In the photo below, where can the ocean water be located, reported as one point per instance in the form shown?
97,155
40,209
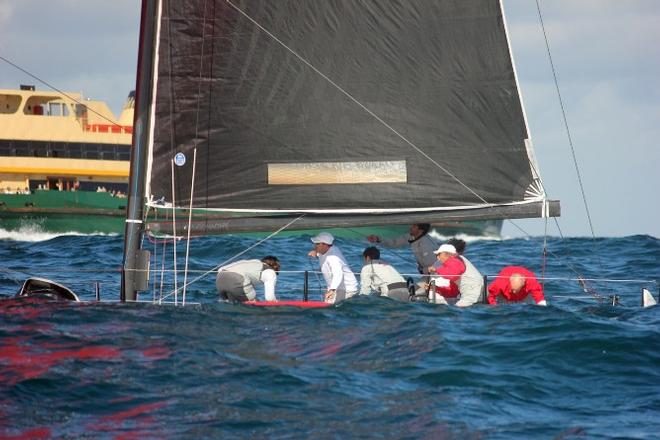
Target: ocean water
367,368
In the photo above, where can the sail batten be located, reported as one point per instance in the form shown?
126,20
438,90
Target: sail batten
265,88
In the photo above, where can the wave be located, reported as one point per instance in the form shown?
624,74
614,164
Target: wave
34,233
440,238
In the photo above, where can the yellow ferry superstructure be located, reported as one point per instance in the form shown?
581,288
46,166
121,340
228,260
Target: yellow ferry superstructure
61,137
64,161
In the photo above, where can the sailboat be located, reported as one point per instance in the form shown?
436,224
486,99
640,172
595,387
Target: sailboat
272,115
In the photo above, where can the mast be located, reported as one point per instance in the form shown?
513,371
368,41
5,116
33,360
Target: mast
133,254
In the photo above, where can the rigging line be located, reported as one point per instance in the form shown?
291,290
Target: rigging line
172,126
192,192
207,162
358,103
554,255
561,235
201,67
545,251
563,113
174,292
162,273
316,274
568,133
58,91
601,280
154,273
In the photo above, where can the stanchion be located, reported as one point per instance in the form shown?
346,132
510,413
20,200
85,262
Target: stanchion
306,286
484,291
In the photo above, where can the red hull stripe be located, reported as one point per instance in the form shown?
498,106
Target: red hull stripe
305,304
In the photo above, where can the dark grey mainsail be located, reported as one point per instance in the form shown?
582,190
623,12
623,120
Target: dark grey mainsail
352,112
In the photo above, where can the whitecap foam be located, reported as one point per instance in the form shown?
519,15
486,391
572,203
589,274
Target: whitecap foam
35,233
440,238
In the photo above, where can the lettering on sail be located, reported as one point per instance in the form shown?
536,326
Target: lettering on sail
337,173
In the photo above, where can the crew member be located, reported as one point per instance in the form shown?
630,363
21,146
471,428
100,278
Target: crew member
516,284
458,280
421,245
237,281
340,280
378,276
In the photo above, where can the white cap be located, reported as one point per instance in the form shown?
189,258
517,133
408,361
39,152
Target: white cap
445,248
323,237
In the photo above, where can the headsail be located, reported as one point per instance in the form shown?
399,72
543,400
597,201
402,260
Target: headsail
647,298
343,110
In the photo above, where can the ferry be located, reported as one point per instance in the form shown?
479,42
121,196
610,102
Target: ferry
64,161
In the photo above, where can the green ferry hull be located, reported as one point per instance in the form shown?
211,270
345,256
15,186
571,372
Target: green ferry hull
63,211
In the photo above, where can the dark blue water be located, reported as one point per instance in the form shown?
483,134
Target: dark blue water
368,368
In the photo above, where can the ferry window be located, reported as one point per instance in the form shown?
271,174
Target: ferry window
35,106
6,149
123,153
57,150
74,151
81,110
22,148
40,149
91,151
9,103
54,109
108,152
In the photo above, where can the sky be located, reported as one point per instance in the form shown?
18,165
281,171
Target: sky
607,60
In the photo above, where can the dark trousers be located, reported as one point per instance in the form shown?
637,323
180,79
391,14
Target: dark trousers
230,287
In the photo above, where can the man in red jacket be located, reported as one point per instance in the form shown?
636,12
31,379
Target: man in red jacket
449,268
514,284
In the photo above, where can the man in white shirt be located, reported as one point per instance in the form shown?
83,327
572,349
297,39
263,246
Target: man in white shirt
237,281
338,275
378,276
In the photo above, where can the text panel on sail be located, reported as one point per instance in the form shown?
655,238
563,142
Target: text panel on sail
320,173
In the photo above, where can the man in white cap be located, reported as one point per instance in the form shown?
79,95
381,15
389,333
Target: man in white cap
458,278
338,275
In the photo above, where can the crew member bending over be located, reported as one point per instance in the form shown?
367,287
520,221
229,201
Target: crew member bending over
378,276
515,284
237,281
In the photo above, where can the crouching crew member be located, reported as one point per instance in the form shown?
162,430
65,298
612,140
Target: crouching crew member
378,276
516,284
237,281
457,278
